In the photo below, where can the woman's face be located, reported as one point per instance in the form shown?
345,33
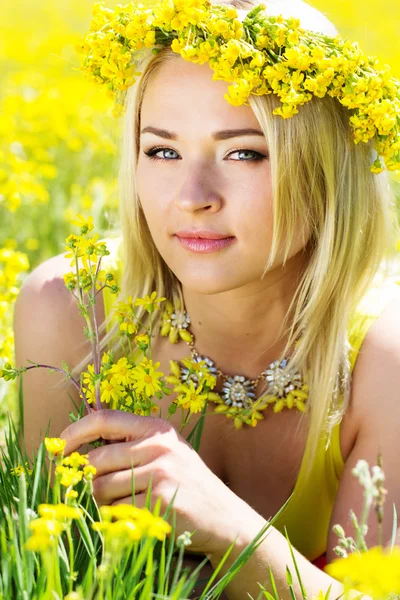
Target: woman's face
203,167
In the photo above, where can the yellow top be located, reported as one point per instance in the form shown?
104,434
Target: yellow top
309,509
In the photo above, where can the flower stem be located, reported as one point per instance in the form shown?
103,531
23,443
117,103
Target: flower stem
75,383
48,481
71,560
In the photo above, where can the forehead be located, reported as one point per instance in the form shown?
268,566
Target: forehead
183,94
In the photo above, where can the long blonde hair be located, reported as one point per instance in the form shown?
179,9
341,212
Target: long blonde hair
320,178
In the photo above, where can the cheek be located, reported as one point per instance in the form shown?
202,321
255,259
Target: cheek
151,194
255,212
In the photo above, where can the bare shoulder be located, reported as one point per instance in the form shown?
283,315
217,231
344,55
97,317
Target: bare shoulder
45,306
48,330
372,423
47,311
375,393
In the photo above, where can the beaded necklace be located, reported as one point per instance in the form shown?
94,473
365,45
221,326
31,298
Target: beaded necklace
285,387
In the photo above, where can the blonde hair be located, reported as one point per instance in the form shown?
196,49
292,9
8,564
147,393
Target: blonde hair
320,178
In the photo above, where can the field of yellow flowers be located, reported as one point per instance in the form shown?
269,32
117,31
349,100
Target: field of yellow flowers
58,139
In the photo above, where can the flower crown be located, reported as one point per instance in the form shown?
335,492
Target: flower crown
257,55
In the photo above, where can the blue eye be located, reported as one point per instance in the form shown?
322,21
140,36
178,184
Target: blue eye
254,155
152,153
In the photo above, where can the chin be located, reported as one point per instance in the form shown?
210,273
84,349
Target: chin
210,282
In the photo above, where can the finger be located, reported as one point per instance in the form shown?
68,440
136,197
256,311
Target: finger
108,488
110,425
120,456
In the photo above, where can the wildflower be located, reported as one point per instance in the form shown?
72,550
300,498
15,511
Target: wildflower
149,303
39,542
44,526
126,316
85,223
120,371
192,398
70,281
142,341
69,476
54,446
146,378
60,512
89,471
184,539
21,469
75,460
111,390
71,494
375,572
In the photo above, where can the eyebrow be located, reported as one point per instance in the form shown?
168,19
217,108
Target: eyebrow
226,134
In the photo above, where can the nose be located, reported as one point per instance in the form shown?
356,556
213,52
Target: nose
198,191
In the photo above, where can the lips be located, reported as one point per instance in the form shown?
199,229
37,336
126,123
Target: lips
205,234
204,241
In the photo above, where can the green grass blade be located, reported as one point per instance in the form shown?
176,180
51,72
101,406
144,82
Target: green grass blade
273,584
328,591
303,590
217,570
266,593
21,421
38,474
197,430
394,529
289,580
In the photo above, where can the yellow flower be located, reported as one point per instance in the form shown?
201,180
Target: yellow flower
75,460
149,303
45,526
85,223
158,528
89,471
142,341
375,572
111,390
69,476
54,446
39,542
17,471
71,494
147,378
192,398
21,469
59,512
121,371
70,281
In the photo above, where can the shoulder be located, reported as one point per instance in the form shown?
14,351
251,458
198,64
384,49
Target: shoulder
46,311
375,391
372,421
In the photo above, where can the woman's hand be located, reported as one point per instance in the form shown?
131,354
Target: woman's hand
155,449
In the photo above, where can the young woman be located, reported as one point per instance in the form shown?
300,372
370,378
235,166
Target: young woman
270,231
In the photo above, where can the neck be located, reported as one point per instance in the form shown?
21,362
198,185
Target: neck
240,330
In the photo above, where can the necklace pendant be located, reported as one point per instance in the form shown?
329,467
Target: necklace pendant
180,319
187,376
238,391
281,380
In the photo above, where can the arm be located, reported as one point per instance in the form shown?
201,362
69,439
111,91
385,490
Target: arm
375,411
48,329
